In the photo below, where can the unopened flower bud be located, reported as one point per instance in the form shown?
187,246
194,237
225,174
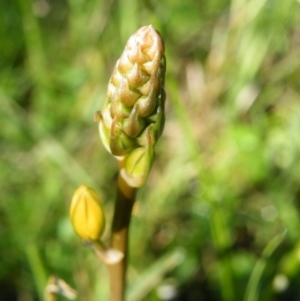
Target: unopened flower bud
134,106
87,214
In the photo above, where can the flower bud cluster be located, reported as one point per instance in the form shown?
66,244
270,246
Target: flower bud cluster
132,118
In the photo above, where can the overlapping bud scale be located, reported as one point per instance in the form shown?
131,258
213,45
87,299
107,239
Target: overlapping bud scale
132,118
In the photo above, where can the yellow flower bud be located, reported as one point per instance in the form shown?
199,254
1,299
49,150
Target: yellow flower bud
87,214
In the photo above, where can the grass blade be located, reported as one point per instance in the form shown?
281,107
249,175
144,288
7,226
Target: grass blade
253,284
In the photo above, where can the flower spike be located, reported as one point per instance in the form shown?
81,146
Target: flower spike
134,107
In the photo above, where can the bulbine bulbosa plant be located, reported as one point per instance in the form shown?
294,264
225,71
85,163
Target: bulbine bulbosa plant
130,123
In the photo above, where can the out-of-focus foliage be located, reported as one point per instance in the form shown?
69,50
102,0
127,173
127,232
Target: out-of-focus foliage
224,188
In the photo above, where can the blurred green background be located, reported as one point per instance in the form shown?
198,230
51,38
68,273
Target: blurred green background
219,216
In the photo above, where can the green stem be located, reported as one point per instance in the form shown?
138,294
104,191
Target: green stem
37,269
119,237
222,242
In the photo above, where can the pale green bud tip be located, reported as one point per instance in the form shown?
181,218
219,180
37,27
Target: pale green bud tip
87,214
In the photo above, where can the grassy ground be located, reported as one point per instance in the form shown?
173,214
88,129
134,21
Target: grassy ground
219,216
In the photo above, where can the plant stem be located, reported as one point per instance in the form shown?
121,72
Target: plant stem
37,269
119,236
